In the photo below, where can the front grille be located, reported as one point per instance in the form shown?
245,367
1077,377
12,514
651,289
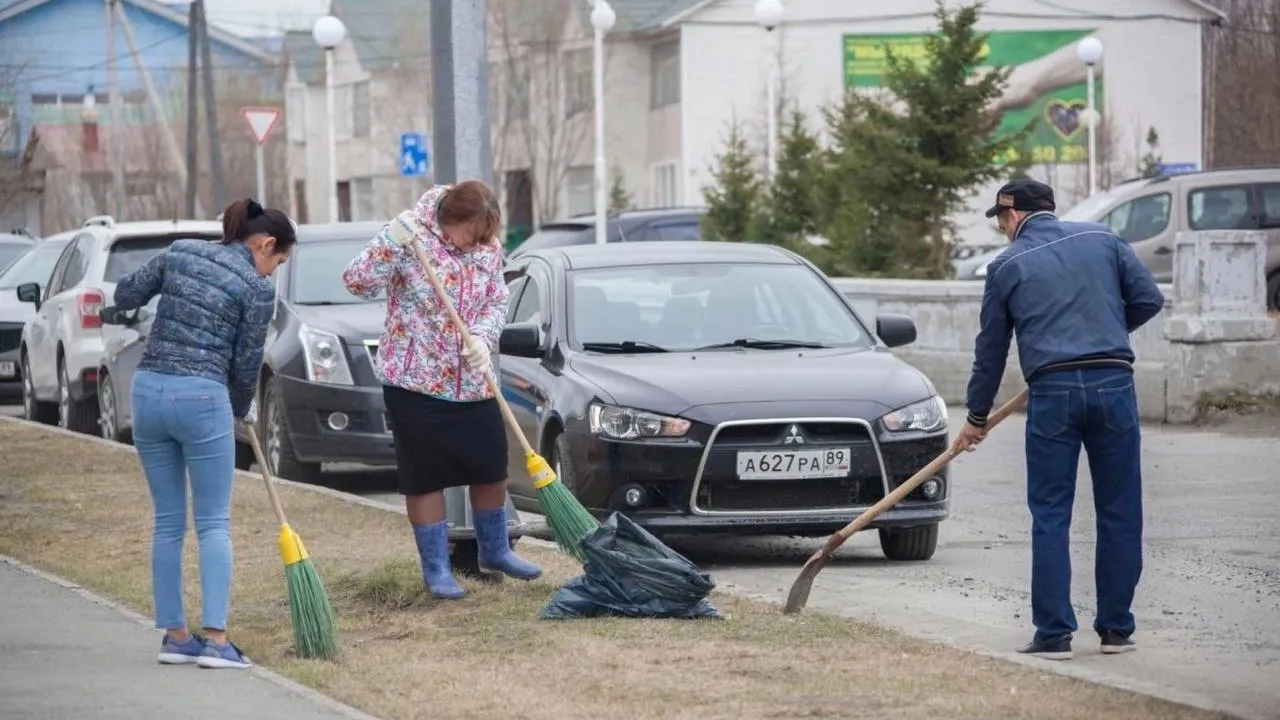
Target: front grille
721,490
371,347
10,336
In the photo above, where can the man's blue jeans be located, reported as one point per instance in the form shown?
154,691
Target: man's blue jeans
1098,409
181,426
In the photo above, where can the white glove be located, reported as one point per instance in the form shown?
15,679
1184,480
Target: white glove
403,228
476,354
251,417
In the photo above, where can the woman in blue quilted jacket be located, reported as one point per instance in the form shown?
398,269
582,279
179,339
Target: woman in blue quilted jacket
195,380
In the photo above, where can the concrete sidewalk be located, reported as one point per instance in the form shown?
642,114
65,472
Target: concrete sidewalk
64,656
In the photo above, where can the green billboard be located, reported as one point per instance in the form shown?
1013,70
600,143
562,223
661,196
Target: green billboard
1047,82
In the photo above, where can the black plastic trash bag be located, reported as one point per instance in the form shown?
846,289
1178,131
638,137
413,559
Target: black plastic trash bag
630,573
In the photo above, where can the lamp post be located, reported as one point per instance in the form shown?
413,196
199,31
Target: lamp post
1089,50
769,15
329,32
602,20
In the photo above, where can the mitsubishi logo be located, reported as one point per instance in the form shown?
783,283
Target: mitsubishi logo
793,436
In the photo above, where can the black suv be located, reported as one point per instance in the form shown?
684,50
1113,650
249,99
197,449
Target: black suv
627,226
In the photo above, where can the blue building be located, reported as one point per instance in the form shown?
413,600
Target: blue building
54,94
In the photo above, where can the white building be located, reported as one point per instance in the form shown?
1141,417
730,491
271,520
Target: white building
678,72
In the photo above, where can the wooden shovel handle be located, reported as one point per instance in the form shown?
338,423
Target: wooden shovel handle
918,479
266,476
489,376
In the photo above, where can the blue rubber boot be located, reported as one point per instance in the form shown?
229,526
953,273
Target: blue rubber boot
433,547
495,546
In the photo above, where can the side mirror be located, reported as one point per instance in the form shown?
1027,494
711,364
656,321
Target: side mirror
895,330
521,340
29,293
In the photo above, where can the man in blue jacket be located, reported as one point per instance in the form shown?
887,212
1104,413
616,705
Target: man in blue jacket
1072,292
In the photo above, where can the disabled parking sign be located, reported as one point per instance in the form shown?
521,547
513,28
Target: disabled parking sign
415,156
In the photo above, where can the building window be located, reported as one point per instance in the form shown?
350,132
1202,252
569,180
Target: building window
666,184
361,113
362,199
295,114
664,74
579,95
342,112
579,190
8,128
517,84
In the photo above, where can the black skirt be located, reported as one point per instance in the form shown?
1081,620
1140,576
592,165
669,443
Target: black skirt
442,444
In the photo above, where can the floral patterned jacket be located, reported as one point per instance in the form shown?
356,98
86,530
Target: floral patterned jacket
420,349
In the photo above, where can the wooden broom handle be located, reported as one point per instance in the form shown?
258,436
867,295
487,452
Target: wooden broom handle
266,476
489,376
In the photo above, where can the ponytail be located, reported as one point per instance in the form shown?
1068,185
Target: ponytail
245,218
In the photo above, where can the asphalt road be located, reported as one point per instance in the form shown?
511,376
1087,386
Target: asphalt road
1208,606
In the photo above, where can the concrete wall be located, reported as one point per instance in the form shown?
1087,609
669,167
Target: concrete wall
1213,337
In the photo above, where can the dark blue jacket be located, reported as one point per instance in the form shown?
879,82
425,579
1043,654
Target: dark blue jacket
212,317
1070,291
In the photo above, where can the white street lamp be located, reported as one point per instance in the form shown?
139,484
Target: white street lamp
1089,50
602,19
329,32
769,16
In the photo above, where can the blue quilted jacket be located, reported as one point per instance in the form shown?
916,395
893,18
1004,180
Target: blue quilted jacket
212,317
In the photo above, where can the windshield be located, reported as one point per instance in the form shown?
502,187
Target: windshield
1085,210
556,237
692,306
9,251
317,272
34,267
130,253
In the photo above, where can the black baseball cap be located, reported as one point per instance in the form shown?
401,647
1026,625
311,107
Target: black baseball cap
1023,194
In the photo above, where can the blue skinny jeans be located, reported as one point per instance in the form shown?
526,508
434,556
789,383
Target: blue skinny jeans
183,426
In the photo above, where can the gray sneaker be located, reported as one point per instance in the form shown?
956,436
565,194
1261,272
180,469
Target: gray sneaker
222,656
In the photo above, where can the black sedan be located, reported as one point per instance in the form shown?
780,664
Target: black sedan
718,387
318,400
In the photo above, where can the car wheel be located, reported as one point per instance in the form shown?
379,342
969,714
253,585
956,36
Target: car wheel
562,463
281,460
32,408
108,418
909,544
75,415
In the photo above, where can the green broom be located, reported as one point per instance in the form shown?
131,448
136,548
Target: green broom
315,626
568,520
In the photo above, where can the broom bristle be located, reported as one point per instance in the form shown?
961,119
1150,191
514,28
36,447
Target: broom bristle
568,520
315,625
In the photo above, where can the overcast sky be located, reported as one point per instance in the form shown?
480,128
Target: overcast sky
264,17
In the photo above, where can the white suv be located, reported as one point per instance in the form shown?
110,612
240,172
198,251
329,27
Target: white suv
62,345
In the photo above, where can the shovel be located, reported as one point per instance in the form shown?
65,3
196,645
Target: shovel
799,594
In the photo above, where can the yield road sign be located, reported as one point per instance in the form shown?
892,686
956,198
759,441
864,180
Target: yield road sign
415,156
261,121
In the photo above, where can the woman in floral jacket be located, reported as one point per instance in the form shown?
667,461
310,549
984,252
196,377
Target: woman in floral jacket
447,426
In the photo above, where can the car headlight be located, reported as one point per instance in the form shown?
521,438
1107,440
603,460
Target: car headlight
622,423
326,360
924,416
981,271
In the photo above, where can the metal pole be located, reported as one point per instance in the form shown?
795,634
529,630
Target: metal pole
193,99
1093,134
219,191
259,166
332,135
171,143
117,128
461,144
602,211
772,101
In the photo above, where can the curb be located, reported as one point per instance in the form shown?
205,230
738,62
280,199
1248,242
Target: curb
306,693
1087,674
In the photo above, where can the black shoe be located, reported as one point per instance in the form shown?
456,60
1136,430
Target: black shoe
1113,643
1059,649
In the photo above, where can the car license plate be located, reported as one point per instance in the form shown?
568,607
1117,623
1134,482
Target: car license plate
794,464
8,369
